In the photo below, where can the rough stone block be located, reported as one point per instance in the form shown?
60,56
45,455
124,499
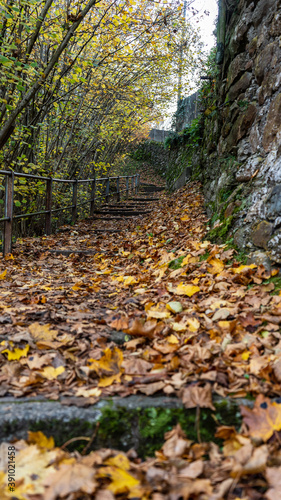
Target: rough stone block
266,60
261,234
241,126
236,68
273,203
260,259
273,123
263,9
240,86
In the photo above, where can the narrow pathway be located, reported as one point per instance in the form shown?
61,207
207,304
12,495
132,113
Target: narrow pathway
169,328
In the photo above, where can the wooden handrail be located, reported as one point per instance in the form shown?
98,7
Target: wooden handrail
9,199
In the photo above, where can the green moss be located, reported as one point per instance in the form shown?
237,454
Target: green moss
219,233
276,280
144,429
204,256
176,263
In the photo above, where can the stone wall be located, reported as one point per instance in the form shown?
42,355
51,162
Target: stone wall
188,110
158,135
240,160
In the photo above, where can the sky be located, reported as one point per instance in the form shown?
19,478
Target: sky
207,23
207,26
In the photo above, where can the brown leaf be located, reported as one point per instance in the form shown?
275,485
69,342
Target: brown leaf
194,396
138,328
69,478
264,419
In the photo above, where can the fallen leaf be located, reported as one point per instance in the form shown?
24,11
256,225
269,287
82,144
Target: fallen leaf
264,419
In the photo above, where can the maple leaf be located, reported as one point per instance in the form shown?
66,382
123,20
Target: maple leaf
142,329
69,478
17,353
122,481
108,367
3,275
194,396
216,266
264,419
41,440
243,269
52,373
42,332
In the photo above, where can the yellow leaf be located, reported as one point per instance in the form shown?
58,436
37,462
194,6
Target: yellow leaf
17,353
121,480
185,260
188,290
174,307
130,280
41,440
42,332
172,339
108,367
120,461
76,287
9,256
216,266
107,381
51,373
193,324
241,269
2,276
88,393
186,217
179,327
155,313
245,356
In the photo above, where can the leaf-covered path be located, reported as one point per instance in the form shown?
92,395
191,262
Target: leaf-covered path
151,309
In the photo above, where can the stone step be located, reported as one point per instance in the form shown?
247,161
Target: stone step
122,212
137,422
146,200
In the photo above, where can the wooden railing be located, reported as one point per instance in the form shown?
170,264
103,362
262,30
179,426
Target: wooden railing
131,183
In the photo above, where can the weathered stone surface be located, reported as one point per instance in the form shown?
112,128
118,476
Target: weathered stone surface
260,259
266,60
236,68
272,128
240,237
275,28
273,203
262,10
241,126
240,86
252,46
261,234
17,417
246,171
274,247
255,138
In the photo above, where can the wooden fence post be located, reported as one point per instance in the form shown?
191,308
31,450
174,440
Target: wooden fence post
118,189
132,184
9,204
127,187
107,190
74,202
93,194
48,217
